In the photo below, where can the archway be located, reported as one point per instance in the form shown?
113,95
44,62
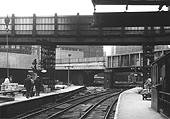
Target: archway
99,79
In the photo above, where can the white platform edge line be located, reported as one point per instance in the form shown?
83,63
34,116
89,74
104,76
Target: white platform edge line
117,107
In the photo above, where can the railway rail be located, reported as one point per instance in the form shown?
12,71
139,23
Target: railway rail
60,110
101,109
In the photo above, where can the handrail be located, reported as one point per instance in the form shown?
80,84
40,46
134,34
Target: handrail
78,24
81,60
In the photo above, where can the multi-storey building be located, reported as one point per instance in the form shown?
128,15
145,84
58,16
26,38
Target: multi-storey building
62,51
21,49
130,49
88,51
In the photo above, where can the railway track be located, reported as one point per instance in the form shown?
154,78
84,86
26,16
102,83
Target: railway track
102,109
62,110
97,108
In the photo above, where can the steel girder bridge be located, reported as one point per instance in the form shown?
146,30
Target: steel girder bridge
100,29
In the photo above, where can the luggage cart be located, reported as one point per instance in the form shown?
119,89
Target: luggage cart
146,93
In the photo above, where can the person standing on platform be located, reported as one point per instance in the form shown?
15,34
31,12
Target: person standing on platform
147,84
28,85
7,80
10,79
38,85
32,87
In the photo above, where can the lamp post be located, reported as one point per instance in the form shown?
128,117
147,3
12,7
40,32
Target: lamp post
7,20
69,55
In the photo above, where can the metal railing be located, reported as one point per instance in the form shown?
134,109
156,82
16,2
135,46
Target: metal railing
77,25
81,60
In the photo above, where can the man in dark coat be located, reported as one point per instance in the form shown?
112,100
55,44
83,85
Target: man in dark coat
27,85
38,85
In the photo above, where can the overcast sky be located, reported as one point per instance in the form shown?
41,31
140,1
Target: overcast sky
45,7
61,7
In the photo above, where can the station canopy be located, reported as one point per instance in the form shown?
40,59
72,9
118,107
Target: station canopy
131,19
131,2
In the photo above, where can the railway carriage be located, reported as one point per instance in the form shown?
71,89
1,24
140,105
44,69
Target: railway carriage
160,74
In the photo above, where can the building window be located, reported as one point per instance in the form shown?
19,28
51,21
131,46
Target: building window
6,46
13,46
17,47
2,46
74,49
23,47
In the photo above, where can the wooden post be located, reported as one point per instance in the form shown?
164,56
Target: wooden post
55,25
34,26
77,26
13,25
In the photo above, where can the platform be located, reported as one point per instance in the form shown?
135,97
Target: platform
22,104
131,106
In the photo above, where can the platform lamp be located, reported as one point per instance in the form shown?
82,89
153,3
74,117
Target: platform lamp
69,55
7,20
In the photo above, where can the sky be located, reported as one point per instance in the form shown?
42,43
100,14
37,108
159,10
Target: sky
45,7
62,7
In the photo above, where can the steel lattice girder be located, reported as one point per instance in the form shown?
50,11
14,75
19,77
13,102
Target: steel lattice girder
131,2
131,19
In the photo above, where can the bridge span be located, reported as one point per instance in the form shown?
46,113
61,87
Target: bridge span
77,29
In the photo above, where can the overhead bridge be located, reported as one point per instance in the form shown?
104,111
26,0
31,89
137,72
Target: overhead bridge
78,30
132,19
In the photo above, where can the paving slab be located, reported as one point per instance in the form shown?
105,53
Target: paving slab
131,106
19,97
21,104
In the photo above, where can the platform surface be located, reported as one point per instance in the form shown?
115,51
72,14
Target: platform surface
131,106
19,97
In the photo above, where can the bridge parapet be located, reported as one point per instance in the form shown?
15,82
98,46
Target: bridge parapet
76,28
81,66
81,60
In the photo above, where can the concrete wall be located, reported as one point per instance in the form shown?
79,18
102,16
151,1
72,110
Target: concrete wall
63,54
13,109
21,61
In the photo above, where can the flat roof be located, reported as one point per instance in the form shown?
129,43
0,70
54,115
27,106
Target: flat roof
131,19
131,2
